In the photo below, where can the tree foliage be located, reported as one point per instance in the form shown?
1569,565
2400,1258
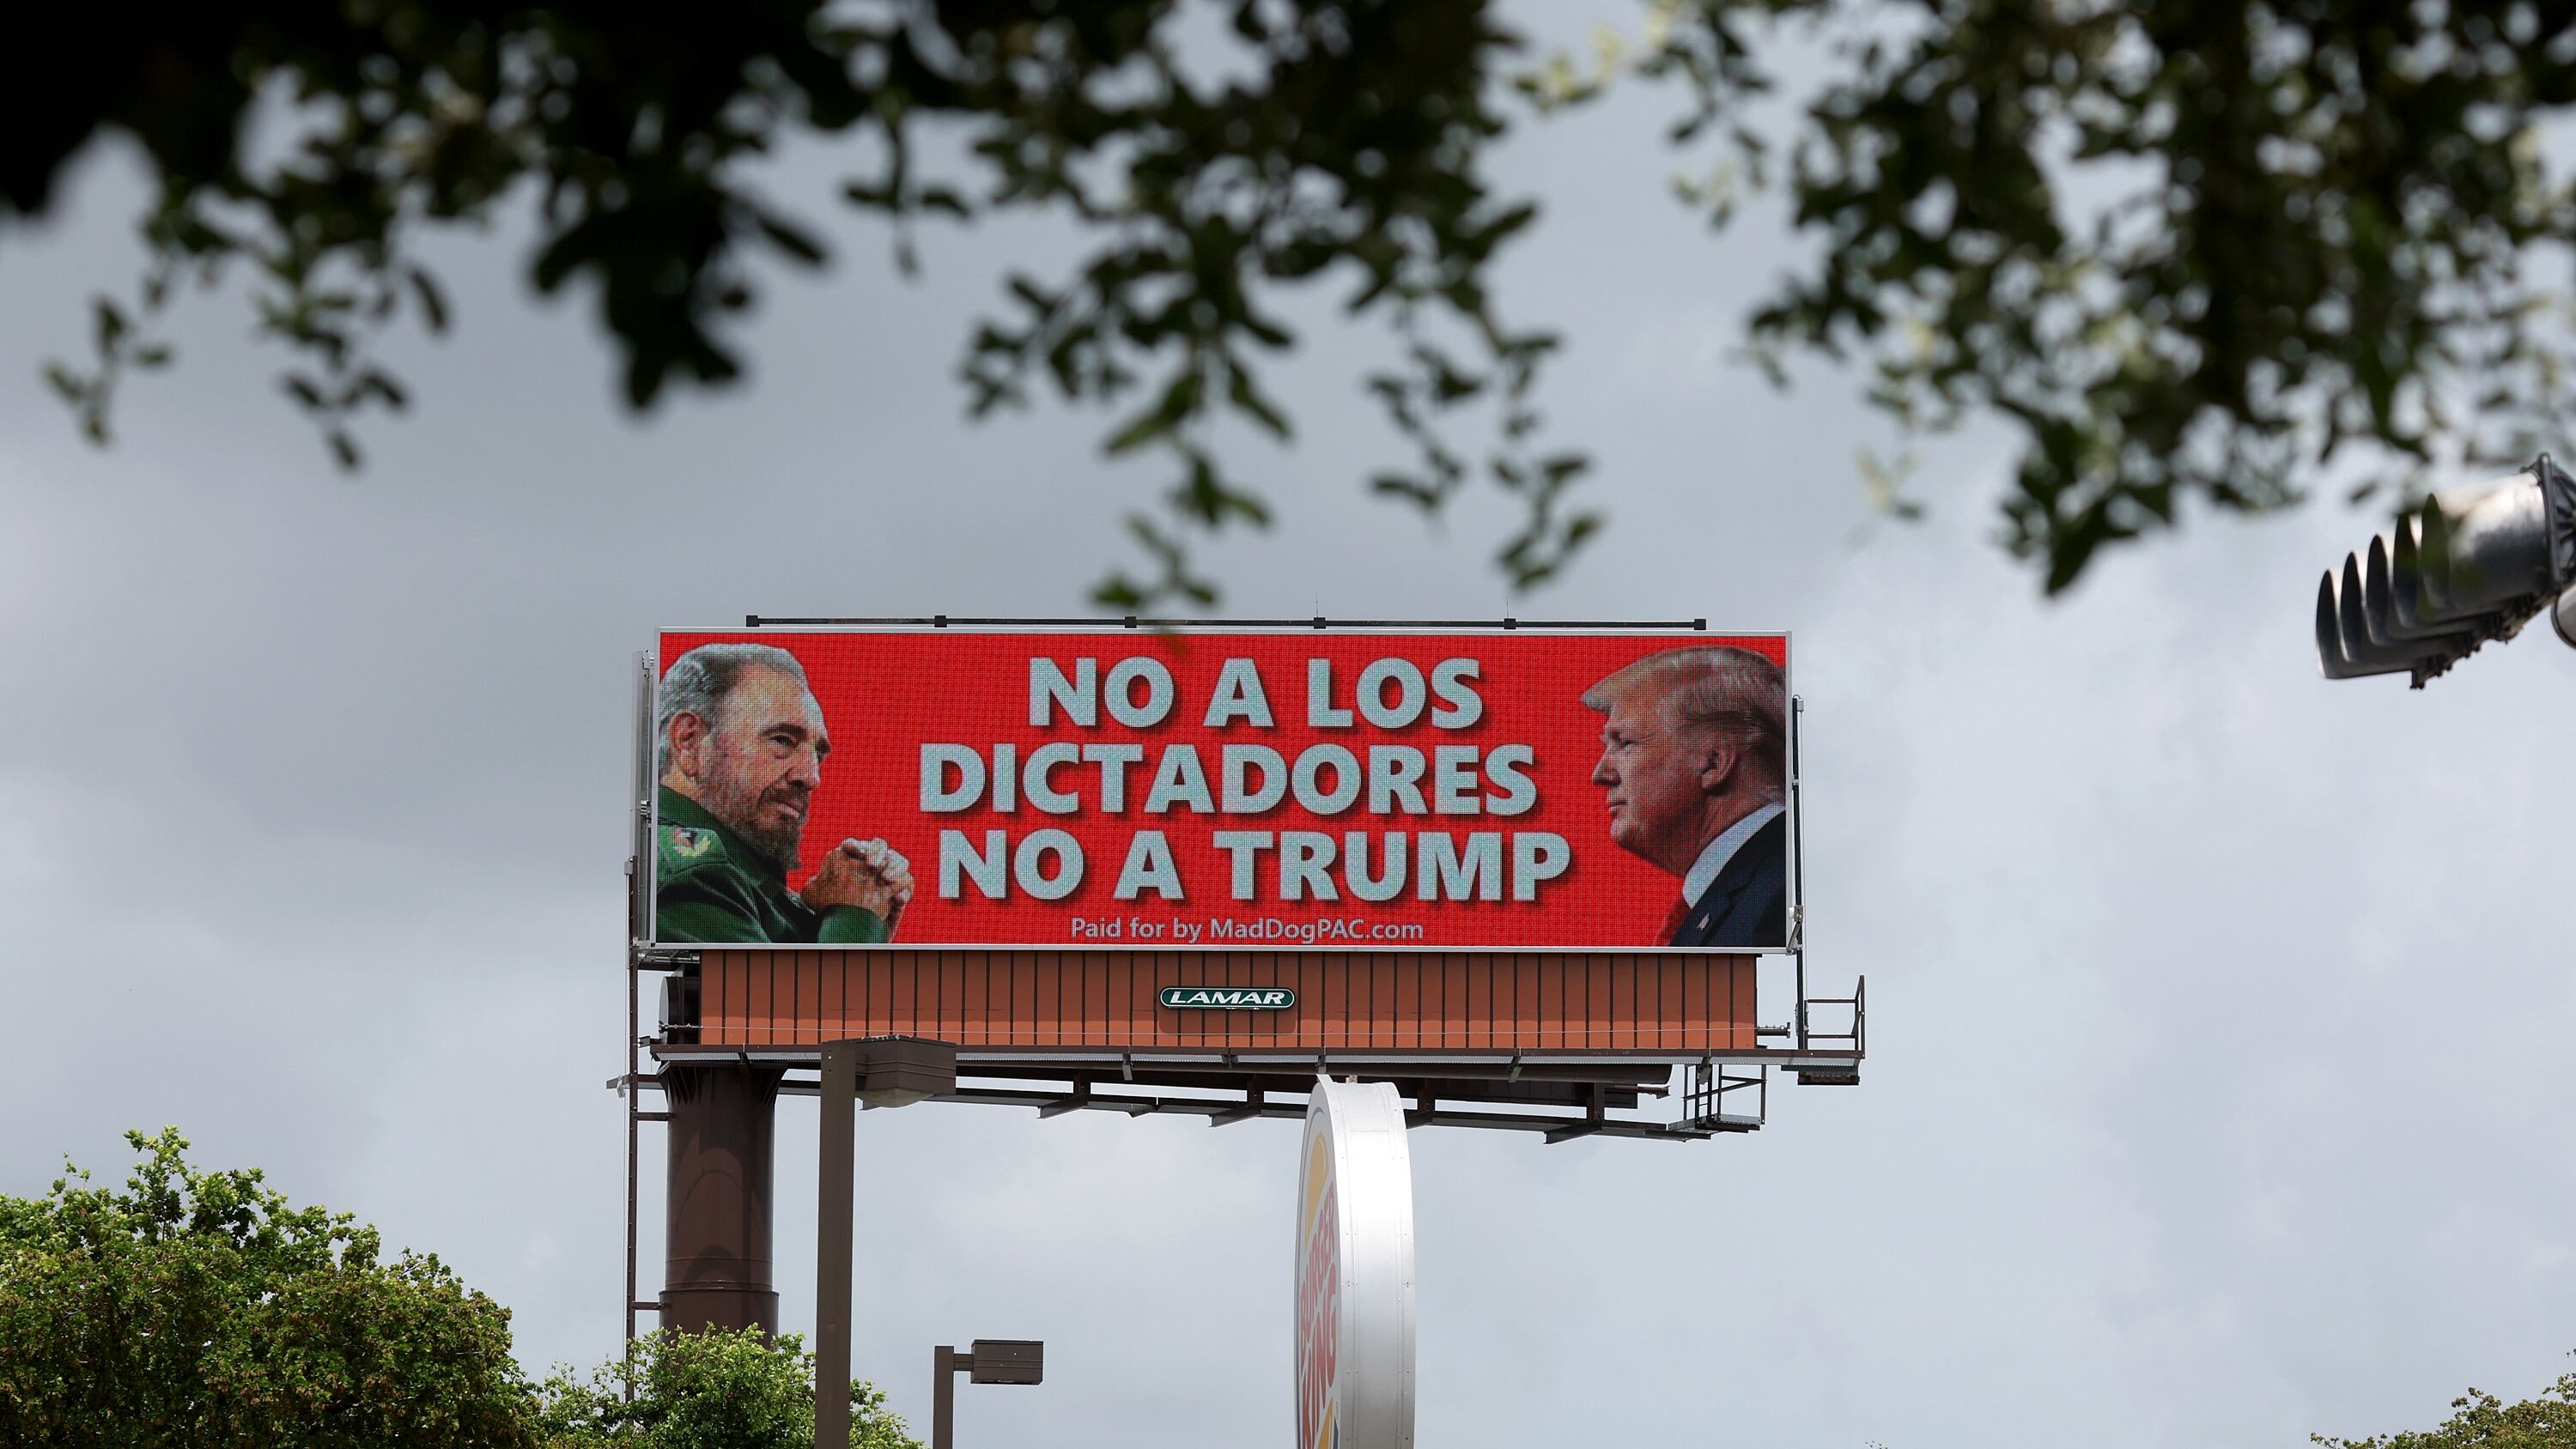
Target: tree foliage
716,1390
198,1310
2482,1421
2189,252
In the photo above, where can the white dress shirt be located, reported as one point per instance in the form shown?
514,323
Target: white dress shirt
1712,859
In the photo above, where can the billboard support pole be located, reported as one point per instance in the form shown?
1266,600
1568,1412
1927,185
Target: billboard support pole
723,1125
630,1088
631,1091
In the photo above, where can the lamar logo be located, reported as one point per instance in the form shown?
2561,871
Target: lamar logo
1229,998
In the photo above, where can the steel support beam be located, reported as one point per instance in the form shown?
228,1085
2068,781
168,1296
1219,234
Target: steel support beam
888,1072
833,1230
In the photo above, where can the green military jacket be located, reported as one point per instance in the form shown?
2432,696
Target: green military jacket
710,886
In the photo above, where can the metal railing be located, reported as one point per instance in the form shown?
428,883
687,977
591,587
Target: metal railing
1857,1038
1704,1098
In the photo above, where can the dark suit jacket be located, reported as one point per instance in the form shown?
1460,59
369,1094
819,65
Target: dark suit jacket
1748,903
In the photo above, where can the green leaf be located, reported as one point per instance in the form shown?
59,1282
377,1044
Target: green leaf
1181,397
790,238
1118,593
433,303
383,387
1412,490
1248,400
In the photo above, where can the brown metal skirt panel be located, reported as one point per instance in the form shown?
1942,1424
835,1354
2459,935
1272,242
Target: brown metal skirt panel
1346,1000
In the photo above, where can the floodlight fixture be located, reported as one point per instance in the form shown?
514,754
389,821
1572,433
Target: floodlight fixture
2467,566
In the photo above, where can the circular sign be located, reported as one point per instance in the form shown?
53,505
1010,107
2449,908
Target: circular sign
1355,1271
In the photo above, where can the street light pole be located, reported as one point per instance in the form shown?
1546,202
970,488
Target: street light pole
990,1361
943,1398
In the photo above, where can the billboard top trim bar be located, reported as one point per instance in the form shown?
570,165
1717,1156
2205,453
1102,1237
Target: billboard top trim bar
1132,621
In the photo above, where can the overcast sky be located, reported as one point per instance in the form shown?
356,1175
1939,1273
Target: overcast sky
2218,1083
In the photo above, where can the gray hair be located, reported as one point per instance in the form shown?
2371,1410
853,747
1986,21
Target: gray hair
1735,692
698,681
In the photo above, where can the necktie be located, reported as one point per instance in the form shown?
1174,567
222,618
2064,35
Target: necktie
1673,919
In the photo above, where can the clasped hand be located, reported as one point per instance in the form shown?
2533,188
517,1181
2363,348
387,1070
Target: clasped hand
869,874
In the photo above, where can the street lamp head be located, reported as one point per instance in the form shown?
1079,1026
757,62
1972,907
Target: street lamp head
1007,1361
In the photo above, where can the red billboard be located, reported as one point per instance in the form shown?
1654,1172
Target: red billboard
1222,788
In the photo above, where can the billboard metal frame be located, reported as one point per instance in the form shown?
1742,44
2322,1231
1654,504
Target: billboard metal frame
650,710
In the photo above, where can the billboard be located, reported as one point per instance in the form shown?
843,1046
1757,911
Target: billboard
1354,1330
1222,789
